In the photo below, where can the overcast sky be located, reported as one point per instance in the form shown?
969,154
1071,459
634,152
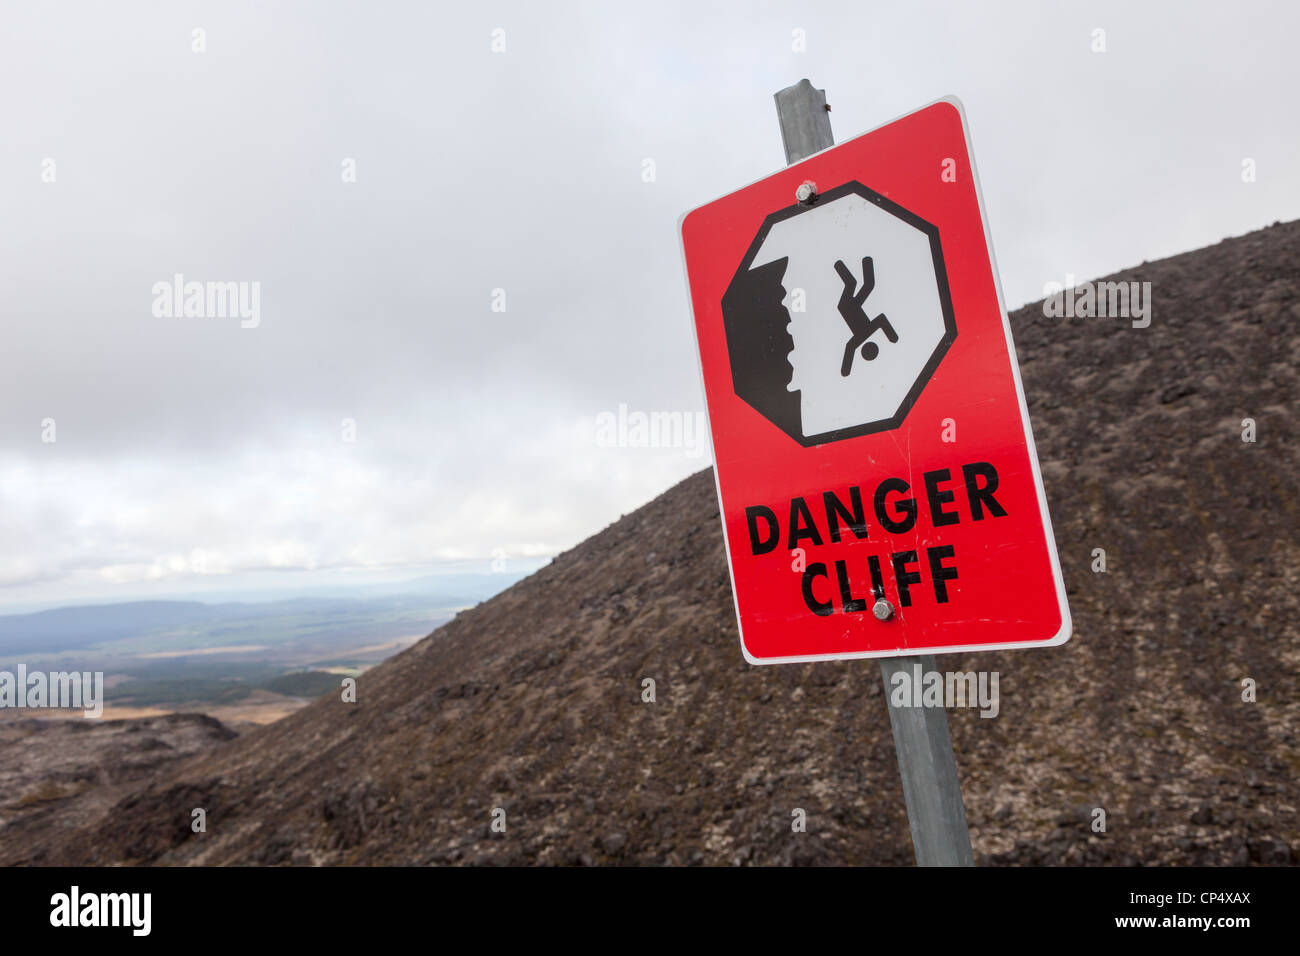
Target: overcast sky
194,453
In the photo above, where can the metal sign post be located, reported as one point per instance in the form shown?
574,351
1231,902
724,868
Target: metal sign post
935,812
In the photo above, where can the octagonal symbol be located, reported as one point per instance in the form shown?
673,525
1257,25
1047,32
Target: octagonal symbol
838,315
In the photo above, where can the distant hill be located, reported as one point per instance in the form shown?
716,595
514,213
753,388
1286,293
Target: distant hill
531,701
181,625
69,628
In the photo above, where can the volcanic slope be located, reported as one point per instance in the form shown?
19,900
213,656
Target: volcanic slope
532,701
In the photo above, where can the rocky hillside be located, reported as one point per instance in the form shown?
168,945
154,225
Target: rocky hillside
532,702
56,774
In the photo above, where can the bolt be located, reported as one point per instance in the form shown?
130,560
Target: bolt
882,609
806,194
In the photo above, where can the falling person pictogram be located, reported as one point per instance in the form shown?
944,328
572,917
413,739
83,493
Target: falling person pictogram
855,316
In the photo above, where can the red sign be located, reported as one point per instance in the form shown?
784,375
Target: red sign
879,488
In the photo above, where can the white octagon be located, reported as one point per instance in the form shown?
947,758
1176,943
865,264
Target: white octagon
854,373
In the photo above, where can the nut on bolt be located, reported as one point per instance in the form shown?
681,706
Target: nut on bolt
806,193
882,609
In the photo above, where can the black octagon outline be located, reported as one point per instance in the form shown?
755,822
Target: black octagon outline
945,300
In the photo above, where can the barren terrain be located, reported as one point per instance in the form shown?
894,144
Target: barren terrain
531,702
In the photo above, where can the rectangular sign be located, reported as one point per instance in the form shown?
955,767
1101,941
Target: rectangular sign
879,489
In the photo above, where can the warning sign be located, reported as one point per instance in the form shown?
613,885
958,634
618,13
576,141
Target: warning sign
878,483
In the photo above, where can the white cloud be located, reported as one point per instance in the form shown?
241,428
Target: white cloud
194,449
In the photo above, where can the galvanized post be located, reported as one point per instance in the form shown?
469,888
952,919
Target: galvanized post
928,767
805,121
935,812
